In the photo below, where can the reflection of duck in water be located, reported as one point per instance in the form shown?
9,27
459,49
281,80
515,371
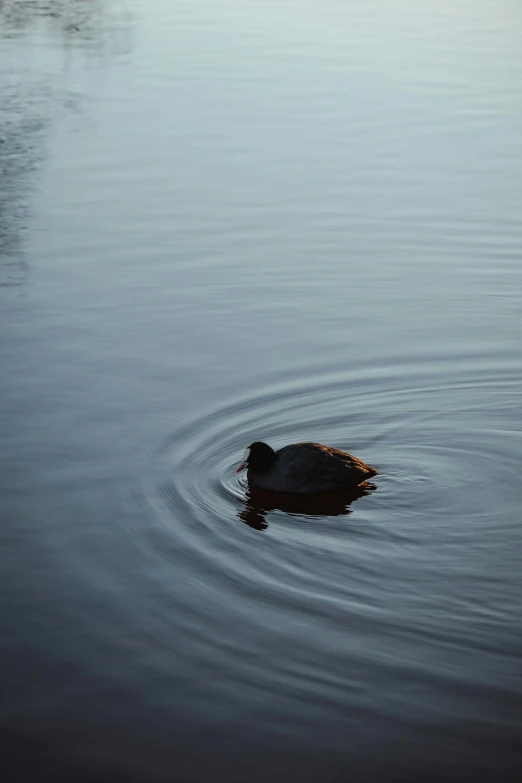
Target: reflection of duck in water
260,501
303,478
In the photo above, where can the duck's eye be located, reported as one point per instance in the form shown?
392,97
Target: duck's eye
246,455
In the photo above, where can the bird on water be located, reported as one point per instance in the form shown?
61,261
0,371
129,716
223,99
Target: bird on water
304,468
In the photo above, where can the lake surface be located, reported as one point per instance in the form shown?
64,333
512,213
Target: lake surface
283,220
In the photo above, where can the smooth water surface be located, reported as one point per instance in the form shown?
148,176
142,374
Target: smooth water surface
286,220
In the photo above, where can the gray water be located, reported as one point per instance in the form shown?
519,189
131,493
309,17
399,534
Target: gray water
283,220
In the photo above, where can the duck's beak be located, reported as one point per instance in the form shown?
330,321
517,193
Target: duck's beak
240,467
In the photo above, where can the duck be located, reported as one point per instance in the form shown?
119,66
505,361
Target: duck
303,468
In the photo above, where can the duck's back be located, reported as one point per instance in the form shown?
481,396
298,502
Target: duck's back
313,468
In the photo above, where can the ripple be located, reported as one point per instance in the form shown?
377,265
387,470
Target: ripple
416,429
386,587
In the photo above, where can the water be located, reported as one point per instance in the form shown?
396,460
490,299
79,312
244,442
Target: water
222,222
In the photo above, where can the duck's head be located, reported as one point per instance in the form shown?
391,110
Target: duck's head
258,457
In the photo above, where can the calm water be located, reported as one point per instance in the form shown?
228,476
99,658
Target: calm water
271,219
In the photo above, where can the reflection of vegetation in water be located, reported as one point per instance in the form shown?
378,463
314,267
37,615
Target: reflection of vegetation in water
92,21
28,99
20,152
70,14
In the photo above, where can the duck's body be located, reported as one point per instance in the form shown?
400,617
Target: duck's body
304,468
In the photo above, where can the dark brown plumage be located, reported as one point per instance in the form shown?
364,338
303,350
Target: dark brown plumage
303,468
